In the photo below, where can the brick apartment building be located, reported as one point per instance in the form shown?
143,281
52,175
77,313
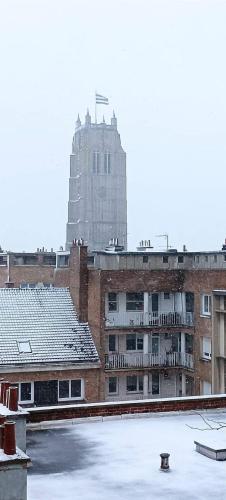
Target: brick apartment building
150,313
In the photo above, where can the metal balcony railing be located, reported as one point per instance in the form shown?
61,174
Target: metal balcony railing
139,319
141,360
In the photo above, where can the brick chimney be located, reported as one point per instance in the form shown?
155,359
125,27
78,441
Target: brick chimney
79,279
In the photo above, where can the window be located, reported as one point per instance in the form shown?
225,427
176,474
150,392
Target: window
166,296
154,344
215,258
24,346
189,297
197,259
206,305
206,258
107,163
70,389
155,302
96,162
180,259
134,342
206,387
112,302
145,259
3,260
26,392
188,343
113,385
224,257
176,342
28,285
134,383
165,259
135,301
154,385
112,343
206,348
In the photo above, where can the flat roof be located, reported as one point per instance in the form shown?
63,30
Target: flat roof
119,459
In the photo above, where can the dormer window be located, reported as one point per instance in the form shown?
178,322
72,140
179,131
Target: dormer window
24,346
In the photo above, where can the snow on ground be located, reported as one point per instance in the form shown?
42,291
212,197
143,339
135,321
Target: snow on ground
119,459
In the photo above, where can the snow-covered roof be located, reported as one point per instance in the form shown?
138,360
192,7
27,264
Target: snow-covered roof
120,459
41,326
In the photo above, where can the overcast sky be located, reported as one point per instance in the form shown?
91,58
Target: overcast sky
162,65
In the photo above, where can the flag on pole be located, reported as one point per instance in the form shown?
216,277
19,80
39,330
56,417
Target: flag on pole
100,99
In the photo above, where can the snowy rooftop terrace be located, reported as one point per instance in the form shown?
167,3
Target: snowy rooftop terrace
118,459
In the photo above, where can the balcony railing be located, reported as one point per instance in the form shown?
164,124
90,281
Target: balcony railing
130,319
141,360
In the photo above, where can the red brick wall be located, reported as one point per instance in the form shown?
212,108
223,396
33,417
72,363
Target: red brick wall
35,274
91,378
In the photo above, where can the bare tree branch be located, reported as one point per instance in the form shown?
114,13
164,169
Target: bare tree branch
220,425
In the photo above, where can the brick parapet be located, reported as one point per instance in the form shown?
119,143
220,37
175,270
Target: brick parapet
126,408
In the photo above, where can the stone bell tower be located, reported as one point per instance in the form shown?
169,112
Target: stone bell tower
97,207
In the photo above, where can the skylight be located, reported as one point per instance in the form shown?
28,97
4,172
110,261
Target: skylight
24,346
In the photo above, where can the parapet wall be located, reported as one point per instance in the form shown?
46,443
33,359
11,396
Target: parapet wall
62,412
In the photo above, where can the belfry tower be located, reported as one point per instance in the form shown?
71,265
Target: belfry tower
97,207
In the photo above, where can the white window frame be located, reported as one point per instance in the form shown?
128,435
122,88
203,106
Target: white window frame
206,384
133,301
137,390
113,301
206,348
27,401
137,336
70,398
117,386
204,311
24,342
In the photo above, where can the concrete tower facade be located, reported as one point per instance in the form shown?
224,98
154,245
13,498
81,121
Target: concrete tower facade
97,207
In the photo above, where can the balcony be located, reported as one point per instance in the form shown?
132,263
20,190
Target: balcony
141,319
141,360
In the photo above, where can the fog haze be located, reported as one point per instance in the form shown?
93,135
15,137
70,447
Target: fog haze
162,66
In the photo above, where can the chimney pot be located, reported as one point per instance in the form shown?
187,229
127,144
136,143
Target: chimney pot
9,438
2,428
4,387
13,398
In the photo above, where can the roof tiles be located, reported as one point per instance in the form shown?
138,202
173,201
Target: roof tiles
47,319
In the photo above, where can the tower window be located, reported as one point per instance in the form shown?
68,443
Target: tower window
96,162
107,163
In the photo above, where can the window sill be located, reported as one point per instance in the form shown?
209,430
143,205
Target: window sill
205,359
205,315
62,400
134,392
25,402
